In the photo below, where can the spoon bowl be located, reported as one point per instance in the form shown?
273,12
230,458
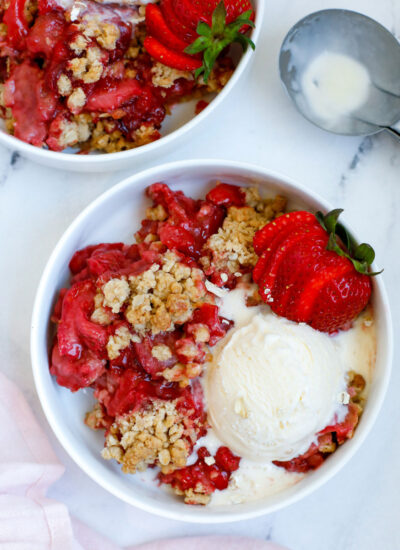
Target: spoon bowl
356,36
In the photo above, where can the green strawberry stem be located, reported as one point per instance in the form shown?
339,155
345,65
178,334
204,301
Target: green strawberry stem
361,255
213,40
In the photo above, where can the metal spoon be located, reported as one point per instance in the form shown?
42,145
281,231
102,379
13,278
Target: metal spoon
366,41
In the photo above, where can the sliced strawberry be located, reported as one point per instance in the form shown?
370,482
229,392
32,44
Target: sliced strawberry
105,261
234,8
311,288
111,95
158,28
56,66
227,195
187,12
169,57
271,261
17,24
176,25
277,240
286,222
295,271
339,301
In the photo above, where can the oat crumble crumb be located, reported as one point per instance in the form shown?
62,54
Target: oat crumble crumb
147,437
161,298
116,292
164,76
100,314
76,100
161,352
118,342
231,247
64,85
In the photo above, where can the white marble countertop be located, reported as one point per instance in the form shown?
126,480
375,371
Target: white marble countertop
359,508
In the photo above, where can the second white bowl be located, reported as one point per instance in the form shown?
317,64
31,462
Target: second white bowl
175,127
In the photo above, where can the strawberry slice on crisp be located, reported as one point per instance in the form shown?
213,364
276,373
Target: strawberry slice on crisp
306,274
179,31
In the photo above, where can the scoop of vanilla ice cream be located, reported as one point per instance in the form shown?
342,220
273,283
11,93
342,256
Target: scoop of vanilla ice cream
272,386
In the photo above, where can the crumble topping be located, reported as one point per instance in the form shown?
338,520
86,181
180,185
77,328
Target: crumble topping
100,315
119,341
161,352
147,437
231,248
201,333
79,44
73,132
88,68
164,296
64,85
95,419
182,373
164,76
156,213
194,496
116,292
76,100
108,36
105,33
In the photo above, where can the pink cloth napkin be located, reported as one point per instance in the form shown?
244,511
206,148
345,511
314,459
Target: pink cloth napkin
31,521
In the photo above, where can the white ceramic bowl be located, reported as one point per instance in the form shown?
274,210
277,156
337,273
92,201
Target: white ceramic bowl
174,129
114,216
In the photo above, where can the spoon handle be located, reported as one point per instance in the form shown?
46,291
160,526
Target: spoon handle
393,132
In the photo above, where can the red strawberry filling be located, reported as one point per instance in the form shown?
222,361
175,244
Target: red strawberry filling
328,440
204,476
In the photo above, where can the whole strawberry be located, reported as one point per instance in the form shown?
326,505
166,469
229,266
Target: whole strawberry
191,34
311,270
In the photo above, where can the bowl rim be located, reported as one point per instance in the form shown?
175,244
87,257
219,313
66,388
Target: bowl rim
154,147
40,370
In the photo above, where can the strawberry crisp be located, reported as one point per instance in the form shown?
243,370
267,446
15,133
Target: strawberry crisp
90,74
141,324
